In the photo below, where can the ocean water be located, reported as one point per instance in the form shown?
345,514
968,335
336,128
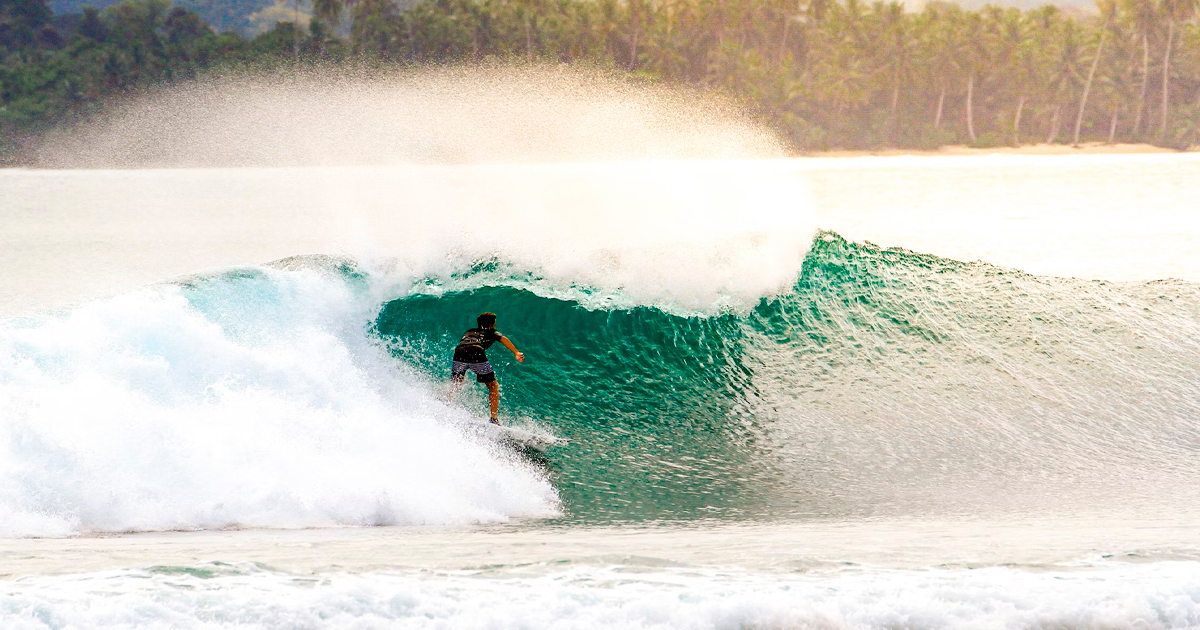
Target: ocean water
852,393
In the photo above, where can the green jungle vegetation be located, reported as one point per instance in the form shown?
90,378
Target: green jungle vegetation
247,17
825,73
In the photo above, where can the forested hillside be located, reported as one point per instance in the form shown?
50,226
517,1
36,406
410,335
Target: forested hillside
222,15
826,74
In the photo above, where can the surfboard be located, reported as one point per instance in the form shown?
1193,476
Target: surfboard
521,437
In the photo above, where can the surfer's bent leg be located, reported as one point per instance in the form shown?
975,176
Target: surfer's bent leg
486,375
494,399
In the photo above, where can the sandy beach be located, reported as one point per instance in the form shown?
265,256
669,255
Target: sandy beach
1086,148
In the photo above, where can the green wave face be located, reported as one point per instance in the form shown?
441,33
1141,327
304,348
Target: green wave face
884,382
644,396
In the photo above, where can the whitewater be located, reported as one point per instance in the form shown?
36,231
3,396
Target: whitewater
900,392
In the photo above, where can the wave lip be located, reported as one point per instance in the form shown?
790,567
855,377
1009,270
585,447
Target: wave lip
245,400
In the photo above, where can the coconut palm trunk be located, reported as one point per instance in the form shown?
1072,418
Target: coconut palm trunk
296,30
1166,80
636,19
1141,106
937,120
528,37
970,108
1087,88
1017,122
330,12
787,23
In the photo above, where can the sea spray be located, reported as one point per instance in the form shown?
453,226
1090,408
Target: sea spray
250,399
489,113
679,234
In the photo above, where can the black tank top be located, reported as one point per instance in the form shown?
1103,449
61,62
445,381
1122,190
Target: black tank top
472,348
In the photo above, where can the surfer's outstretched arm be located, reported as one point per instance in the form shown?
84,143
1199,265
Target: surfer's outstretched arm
517,353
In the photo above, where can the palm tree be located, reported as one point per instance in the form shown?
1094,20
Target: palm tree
375,31
1181,11
1141,16
972,47
939,39
1024,74
1064,72
1108,10
328,12
1117,78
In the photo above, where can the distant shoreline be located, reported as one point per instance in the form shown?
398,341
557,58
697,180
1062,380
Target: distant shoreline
1086,148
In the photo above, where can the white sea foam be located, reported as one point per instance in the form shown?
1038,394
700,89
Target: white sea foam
1160,595
247,400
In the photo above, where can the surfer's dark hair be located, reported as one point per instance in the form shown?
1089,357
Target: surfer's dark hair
486,320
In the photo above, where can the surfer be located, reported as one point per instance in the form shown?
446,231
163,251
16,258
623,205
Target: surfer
471,354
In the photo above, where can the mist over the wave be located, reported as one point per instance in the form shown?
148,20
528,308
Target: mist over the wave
697,235
446,115
565,171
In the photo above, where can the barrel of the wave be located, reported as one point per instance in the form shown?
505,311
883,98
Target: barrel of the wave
644,396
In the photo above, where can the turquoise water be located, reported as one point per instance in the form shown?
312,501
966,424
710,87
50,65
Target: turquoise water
643,395
884,382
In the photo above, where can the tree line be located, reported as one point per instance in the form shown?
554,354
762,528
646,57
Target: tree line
850,74
58,69
825,73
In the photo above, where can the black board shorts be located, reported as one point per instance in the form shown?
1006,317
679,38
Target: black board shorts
483,371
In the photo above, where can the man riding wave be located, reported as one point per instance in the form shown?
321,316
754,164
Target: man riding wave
471,354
